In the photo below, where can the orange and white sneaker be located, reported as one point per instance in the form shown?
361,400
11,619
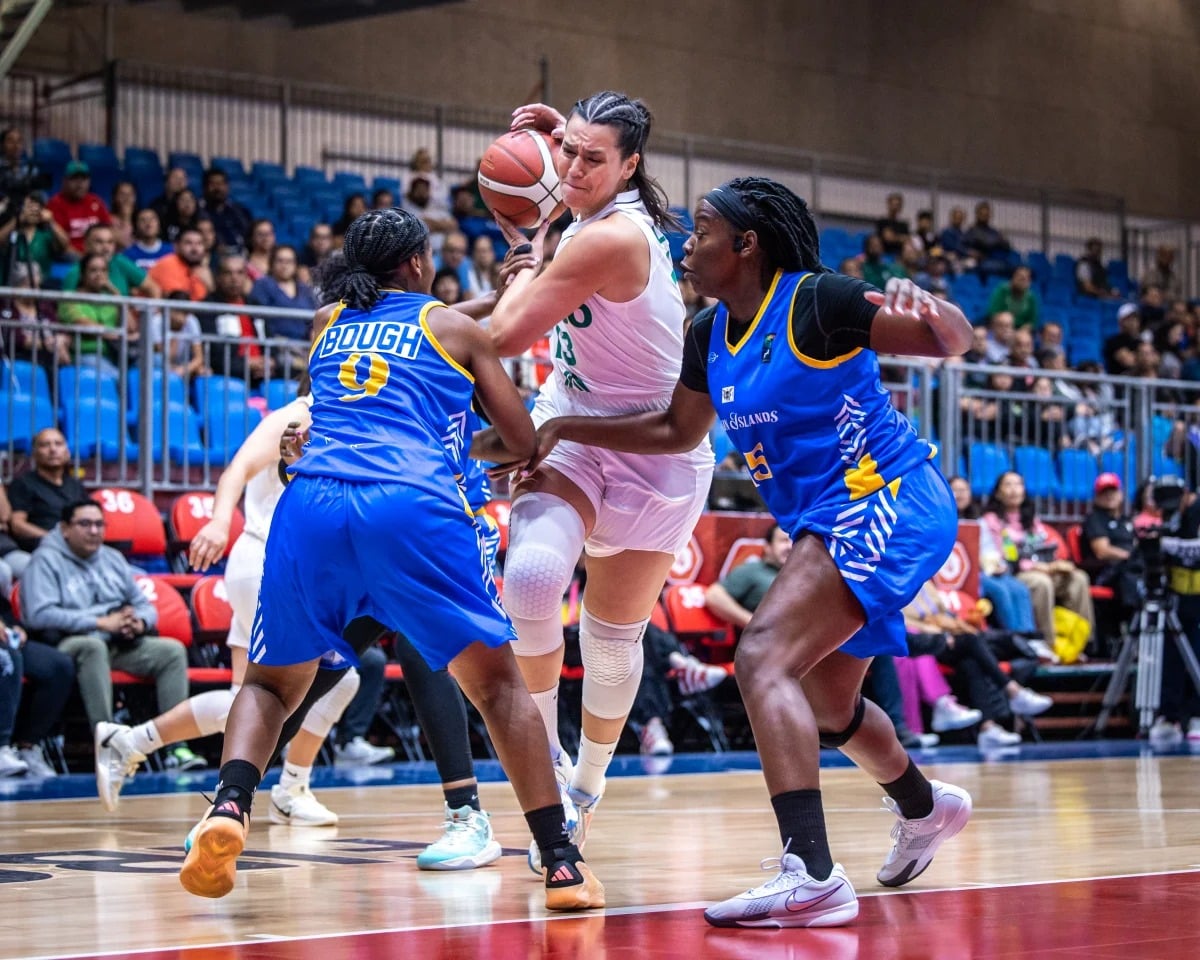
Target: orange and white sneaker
570,883
210,868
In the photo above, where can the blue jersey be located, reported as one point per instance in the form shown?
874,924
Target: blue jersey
815,432
389,403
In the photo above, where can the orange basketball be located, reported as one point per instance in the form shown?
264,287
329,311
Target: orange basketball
517,178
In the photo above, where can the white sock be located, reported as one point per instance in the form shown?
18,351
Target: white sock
547,704
591,766
144,738
294,775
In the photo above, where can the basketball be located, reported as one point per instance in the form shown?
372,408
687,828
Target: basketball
517,178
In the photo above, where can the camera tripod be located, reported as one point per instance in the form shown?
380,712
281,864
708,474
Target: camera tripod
1155,623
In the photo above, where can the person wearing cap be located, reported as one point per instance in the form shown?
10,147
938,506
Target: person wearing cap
1120,350
75,207
1107,542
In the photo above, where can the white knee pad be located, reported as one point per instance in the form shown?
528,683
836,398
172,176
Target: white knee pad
323,714
545,539
612,664
209,710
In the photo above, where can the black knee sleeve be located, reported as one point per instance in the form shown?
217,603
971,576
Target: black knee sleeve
835,741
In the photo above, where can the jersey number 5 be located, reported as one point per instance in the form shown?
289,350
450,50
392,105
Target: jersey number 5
759,469
377,376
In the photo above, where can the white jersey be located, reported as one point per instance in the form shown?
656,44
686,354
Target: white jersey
263,492
622,357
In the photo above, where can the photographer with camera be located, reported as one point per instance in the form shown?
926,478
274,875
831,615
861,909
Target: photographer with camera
1108,543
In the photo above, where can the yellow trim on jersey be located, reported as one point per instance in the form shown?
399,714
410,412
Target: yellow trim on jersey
805,358
423,320
733,348
337,312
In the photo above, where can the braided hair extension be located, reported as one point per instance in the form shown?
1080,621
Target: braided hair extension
375,244
632,120
785,227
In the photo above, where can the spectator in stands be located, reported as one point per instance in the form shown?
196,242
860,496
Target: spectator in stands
245,360
182,214
1050,337
468,201
986,245
13,560
989,418
39,495
353,207
205,225
1032,548
1147,365
876,270
124,276
176,338
1020,353
953,240
851,267
1163,274
19,176
174,182
1152,306
36,238
454,256
382,199
421,201
33,339
421,166
737,596
75,207
281,287
79,596
910,261
147,247
230,219
1049,430
1170,340
1107,542
934,276
446,286
933,630
1017,297
260,241
320,243
1091,276
103,349
925,236
892,230
481,268
1147,513
1012,607
186,270
47,677
122,209
1001,329
1120,350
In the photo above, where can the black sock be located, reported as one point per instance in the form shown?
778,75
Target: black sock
462,796
802,830
549,832
912,793
239,780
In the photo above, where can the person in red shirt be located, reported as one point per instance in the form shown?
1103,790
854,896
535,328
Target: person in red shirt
75,207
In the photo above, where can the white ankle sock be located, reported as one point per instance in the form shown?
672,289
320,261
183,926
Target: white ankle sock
294,775
547,703
591,766
144,738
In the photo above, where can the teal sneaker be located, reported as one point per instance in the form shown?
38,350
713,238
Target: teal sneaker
466,842
182,758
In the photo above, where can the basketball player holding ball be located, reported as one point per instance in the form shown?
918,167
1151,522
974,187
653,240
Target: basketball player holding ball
610,298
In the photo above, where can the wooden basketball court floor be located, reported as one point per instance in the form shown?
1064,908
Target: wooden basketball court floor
1073,851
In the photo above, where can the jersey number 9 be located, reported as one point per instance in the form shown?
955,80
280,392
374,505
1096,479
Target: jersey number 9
377,376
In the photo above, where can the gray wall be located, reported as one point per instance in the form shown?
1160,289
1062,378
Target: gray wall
1094,94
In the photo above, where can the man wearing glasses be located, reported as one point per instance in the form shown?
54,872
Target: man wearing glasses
79,595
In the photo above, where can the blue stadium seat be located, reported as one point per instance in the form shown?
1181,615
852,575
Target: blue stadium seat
28,415
1059,294
1161,429
143,158
1040,265
349,182
89,382
985,463
262,170
1081,349
1036,467
176,392
223,389
98,156
388,183
183,428
1077,471
226,427
22,376
1165,466
230,166
1123,463
96,425
309,175
1064,269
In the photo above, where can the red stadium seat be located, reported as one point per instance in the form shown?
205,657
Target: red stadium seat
692,621
188,515
498,510
210,606
1074,546
132,522
174,618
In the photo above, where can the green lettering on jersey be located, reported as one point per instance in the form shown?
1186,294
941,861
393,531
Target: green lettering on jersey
581,318
572,381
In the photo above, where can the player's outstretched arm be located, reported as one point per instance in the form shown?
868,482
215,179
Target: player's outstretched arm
913,322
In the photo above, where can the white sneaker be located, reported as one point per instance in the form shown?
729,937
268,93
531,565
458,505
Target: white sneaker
791,899
995,737
1026,703
1044,651
1164,733
297,806
1193,730
359,753
35,760
949,714
11,765
116,760
563,771
918,840
655,741
694,675
466,842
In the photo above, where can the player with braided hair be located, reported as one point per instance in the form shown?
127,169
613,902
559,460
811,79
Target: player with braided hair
393,375
787,360
611,299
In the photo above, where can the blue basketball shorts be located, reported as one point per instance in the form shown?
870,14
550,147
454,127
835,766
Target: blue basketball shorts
886,546
339,550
